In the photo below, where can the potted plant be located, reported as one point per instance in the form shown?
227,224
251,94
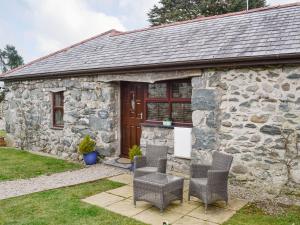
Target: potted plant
87,149
167,122
134,151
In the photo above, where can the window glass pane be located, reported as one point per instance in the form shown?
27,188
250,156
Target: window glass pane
158,90
157,111
58,99
58,117
181,90
182,112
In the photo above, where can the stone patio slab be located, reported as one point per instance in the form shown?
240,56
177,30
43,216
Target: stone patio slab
125,191
188,220
233,204
184,208
194,199
103,199
126,207
153,216
214,214
123,178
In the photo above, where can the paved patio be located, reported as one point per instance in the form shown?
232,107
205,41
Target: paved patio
188,213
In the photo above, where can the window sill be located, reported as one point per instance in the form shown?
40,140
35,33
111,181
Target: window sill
57,128
159,125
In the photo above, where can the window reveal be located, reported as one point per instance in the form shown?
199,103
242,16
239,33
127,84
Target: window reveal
58,109
170,99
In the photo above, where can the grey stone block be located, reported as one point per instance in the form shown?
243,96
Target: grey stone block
226,137
199,82
212,120
204,99
107,151
239,169
232,150
100,124
103,114
271,130
205,138
284,106
107,137
294,76
250,125
87,132
271,74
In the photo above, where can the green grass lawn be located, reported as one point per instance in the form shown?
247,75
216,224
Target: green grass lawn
61,207
251,215
17,164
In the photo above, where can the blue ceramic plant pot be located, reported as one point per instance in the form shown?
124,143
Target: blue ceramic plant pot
90,158
132,167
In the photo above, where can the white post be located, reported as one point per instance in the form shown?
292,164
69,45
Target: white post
247,4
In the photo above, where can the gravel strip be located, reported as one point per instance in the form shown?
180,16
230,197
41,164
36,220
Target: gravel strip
15,188
270,204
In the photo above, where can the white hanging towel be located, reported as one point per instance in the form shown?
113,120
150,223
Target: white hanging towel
182,142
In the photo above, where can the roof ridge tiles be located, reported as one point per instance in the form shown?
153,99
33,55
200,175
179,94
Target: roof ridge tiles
244,12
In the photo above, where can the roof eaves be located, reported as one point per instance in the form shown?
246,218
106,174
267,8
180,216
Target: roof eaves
278,59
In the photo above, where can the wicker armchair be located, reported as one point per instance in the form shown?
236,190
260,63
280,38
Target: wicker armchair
209,182
155,160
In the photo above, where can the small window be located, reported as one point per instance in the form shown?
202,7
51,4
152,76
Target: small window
157,111
181,90
158,90
171,99
58,109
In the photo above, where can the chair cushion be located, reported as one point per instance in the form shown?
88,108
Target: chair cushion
147,169
199,181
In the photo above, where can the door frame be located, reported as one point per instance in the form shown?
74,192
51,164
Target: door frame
122,84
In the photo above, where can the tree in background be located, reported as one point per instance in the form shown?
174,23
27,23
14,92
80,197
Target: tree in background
170,11
9,58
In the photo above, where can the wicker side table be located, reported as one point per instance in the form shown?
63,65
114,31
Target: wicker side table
158,188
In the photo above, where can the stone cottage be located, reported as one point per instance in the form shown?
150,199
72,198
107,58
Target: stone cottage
233,79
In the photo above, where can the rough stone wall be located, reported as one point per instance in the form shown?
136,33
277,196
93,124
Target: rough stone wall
242,112
256,104
238,111
164,137
90,107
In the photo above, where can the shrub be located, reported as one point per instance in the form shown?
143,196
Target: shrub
2,133
87,145
133,151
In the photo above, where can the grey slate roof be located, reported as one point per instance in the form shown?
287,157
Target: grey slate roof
274,31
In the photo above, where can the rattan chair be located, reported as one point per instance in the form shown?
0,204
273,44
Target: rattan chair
154,160
209,182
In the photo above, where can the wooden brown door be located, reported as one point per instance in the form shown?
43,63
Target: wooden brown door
132,115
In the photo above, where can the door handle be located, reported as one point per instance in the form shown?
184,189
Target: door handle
141,115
